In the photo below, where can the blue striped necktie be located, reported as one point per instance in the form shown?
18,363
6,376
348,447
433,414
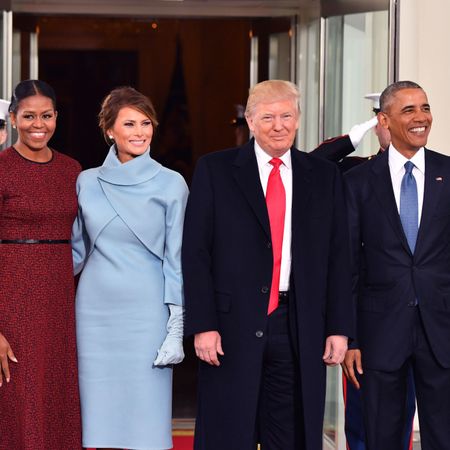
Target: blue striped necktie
409,214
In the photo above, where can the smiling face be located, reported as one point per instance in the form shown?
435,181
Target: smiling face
35,120
274,125
132,133
408,118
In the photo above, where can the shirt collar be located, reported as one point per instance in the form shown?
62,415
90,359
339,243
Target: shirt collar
263,158
397,160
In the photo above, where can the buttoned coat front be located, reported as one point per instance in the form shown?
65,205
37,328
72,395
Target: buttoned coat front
227,270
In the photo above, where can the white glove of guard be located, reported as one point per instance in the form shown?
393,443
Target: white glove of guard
171,350
358,131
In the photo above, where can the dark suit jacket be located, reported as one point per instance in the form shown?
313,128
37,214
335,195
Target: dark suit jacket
227,270
387,278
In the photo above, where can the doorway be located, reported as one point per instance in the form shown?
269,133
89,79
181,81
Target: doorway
82,79
194,70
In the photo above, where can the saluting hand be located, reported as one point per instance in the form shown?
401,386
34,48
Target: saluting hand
5,354
208,346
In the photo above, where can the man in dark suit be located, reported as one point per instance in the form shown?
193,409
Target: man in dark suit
399,218
267,289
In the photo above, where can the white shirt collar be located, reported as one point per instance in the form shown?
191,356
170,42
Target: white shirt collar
397,160
263,158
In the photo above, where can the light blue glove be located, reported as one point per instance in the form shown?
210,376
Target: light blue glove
171,350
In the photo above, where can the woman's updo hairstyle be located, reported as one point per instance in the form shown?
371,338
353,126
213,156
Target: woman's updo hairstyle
29,88
123,97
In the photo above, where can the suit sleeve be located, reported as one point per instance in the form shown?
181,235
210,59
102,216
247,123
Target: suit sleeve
196,257
340,318
173,285
355,245
334,149
80,239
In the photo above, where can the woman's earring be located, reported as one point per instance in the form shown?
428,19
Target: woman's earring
14,125
111,137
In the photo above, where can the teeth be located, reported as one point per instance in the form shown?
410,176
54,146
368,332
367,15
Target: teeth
418,129
39,135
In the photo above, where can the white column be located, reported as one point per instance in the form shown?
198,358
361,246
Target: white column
424,57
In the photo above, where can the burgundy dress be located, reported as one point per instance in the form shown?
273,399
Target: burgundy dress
39,408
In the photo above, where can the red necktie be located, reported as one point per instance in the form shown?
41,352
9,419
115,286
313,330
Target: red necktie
276,207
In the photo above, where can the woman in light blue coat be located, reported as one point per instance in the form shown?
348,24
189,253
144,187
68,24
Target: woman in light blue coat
127,242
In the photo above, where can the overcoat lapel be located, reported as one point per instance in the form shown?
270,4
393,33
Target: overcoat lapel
382,185
432,190
301,186
247,177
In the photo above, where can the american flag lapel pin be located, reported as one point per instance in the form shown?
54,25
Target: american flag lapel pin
439,179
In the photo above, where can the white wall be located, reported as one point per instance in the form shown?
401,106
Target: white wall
424,57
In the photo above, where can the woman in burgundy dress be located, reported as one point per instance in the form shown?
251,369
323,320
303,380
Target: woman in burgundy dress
39,403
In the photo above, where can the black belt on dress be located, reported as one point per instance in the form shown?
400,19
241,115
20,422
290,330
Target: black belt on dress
35,241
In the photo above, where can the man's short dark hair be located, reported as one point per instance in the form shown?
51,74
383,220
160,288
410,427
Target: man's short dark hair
392,89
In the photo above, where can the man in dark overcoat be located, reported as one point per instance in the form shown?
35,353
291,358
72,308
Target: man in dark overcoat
267,288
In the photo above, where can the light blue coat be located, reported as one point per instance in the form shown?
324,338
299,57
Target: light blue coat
127,241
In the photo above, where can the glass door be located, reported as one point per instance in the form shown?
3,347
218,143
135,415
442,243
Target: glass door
272,49
356,59
18,53
6,58
356,64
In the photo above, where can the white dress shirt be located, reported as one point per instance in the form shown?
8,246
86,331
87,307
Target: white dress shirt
265,168
397,169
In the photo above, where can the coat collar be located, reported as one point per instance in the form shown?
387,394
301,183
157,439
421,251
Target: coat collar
382,185
301,185
138,170
434,182
247,177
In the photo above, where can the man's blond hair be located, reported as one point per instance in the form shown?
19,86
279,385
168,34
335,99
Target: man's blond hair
272,91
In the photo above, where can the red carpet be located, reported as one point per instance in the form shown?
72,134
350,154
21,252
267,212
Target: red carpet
183,442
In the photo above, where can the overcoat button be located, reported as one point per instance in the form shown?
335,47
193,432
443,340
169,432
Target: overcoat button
259,334
264,289
269,245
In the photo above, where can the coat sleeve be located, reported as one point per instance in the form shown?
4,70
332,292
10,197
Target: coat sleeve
355,245
334,149
173,281
80,239
197,254
340,317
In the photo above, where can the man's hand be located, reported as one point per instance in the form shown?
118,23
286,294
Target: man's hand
5,354
352,360
207,346
335,348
